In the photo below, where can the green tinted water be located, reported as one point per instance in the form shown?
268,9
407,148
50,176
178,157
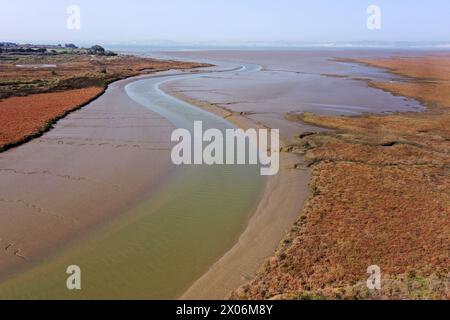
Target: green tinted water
158,248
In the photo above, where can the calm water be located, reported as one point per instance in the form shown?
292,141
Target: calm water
295,81
157,249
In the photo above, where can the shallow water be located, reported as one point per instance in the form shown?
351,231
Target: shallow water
158,248
295,81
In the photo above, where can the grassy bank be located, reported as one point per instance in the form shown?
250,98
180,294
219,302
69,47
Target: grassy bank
381,196
38,90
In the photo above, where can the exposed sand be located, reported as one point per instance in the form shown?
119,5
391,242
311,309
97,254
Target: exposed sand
94,164
51,193
293,81
117,129
288,81
381,197
283,198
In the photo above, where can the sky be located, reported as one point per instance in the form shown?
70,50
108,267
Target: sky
107,21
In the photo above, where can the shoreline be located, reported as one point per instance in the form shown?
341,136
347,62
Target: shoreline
266,228
117,84
49,125
65,89
220,279
372,156
281,201
13,266
86,231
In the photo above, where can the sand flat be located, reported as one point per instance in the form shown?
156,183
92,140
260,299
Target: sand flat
283,197
294,81
164,242
90,166
289,81
117,140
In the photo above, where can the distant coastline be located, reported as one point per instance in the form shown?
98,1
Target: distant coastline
53,81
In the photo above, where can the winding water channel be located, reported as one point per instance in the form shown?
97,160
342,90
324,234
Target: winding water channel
161,246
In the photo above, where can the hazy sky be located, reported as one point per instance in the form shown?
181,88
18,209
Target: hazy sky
224,20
